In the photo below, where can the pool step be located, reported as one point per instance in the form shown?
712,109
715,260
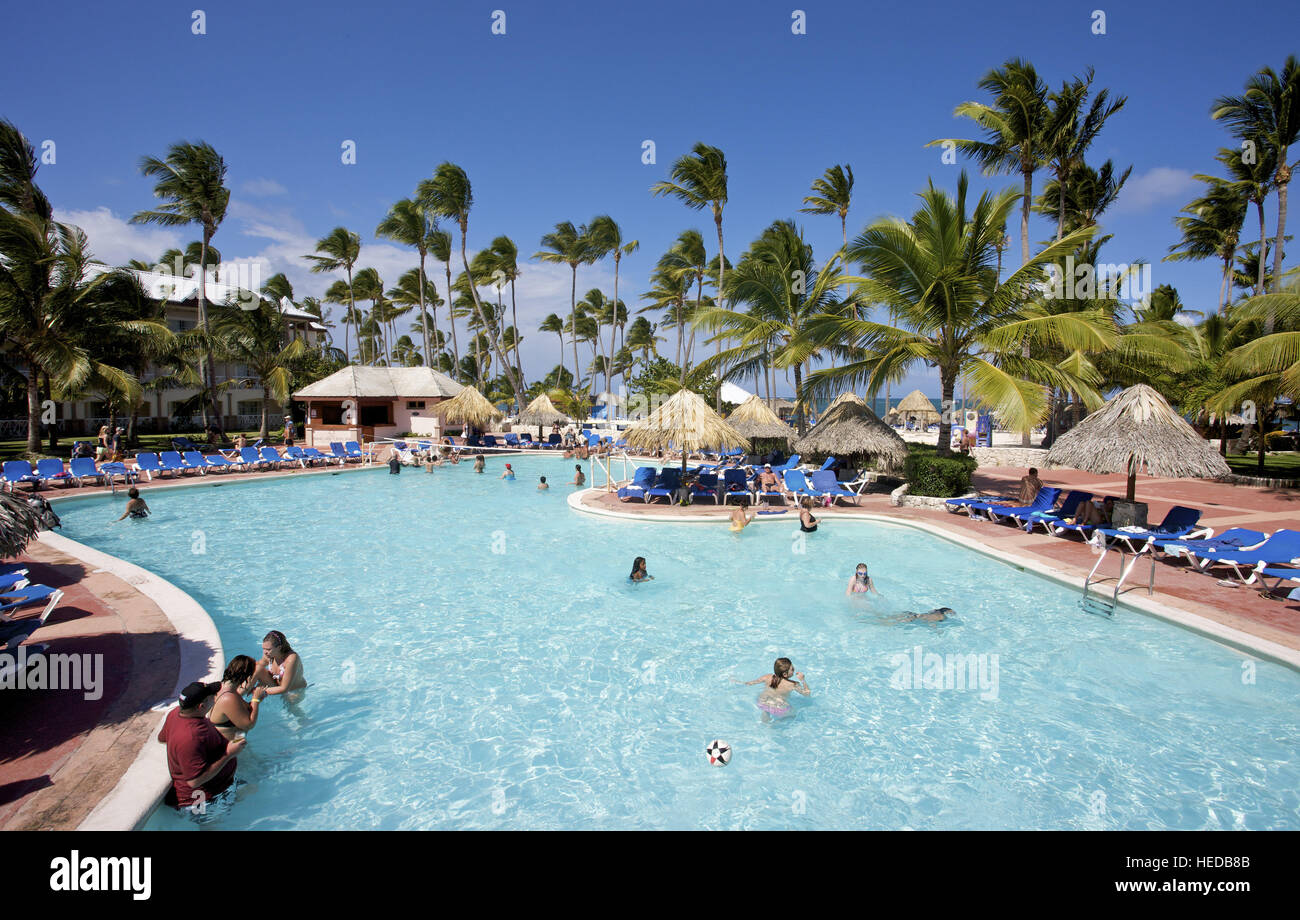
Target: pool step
1098,606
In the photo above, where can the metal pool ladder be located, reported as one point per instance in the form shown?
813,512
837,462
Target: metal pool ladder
1097,603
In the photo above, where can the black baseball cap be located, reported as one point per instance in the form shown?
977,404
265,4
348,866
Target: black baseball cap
197,692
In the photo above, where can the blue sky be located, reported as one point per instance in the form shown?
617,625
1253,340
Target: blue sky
549,118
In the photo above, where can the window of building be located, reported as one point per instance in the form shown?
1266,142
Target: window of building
415,404
376,415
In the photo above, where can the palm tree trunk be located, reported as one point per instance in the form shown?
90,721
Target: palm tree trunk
1259,465
722,271
495,342
1282,180
264,431
33,409
514,316
573,318
800,419
424,322
1259,282
1026,438
352,311
1225,285
210,367
451,319
948,382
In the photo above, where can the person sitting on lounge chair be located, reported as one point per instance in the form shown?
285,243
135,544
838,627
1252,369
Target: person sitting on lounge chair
1091,515
1029,486
769,481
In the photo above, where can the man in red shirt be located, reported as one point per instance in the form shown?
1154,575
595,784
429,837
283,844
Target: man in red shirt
198,757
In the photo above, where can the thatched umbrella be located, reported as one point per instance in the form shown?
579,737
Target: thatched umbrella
754,420
1137,428
540,412
686,421
849,429
846,396
18,524
469,407
916,404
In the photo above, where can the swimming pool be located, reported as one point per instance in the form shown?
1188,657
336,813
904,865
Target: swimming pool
478,660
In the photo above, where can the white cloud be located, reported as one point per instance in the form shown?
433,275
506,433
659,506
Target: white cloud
114,241
1155,186
262,188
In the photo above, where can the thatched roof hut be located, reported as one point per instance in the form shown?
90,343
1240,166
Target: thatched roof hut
916,405
469,407
688,423
1137,429
755,420
18,524
849,429
846,396
541,411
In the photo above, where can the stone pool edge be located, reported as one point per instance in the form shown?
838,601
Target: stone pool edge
1202,626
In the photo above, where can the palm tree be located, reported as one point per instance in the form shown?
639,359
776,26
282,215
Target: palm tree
183,263
440,248
1268,116
409,295
412,225
1070,131
572,246
1014,127
449,194
192,188
641,337
699,180
1252,178
553,323
832,194
1211,228
506,256
367,285
777,326
340,249
1089,194
255,338
607,238
937,273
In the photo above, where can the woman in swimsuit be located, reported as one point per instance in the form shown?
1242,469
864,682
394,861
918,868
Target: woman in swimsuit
739,519
579,477
774,700
230,714
861,582
508,474
807,523
479,463
135,508
639,573
280,669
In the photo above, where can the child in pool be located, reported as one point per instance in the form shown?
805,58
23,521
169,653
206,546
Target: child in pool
639,573
861,582
774,700
508,474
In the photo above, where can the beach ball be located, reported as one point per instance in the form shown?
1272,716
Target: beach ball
719,753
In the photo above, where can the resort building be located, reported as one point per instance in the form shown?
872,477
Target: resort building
171,409
372,403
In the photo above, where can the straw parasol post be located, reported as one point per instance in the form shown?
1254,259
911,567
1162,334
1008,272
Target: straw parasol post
1137,428
848,428
754,420
18,525
686,421
469,407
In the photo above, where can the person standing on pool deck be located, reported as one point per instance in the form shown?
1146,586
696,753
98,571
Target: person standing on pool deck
479,463
280,669
288,429
861,582
774,700
198,758
639,573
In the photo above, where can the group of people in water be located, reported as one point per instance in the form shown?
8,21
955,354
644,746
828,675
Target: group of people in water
207,731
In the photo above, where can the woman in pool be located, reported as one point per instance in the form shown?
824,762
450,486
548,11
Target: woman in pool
807,523
135,508
542,485
774,700
508,474
579,477
230,715
639,573
479,463
861,582
739,519
280,669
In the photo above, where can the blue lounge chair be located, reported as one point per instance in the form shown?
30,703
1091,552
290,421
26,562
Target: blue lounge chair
172,462
354,450
1178,522
706,484
953,505
109,471
84,468
1248,564
272,457
14,633
1043,501
790,463
250,458
183,444
512,440
1234,538
669,481
17,598
734,477
526,440
219,462
760,493
826,464
16,471
642,481
553,440
1282,574
50,469
313,454
148,464
489,440
299,455
1067,510
824,481
797,483
14,580
194,460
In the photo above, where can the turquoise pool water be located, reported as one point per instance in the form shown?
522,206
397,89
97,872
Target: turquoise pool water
477,659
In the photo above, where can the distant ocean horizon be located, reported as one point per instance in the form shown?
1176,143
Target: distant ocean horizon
878,405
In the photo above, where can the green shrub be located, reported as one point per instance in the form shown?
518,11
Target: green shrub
930,473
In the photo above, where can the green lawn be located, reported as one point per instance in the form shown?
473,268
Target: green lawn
1276,466
17,449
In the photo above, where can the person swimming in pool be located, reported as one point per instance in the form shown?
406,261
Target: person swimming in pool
479,463
136,507
639,573
542,485
861,582
579,477
508,473
937,615
739,519
774,699
280,669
